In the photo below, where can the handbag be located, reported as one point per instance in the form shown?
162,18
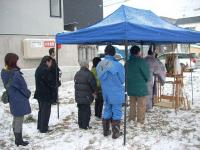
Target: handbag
5,97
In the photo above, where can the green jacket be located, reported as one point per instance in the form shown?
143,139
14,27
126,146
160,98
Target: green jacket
137,75
94,72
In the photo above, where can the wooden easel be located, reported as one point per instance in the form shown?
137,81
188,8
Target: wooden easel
177,99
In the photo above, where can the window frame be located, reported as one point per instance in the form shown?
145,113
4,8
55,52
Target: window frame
50,8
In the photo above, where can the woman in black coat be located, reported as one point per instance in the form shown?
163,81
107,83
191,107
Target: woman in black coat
43,93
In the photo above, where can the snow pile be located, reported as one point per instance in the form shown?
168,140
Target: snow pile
164,129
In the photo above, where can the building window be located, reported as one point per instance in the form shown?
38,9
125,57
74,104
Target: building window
55,8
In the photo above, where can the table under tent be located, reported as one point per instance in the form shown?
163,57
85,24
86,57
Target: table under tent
129,26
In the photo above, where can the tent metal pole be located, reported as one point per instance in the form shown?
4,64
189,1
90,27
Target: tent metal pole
172,46
191,77
57,81
142,47
154,47
126,82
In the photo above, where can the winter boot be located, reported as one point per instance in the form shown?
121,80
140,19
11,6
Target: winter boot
106,127
19,140
116,129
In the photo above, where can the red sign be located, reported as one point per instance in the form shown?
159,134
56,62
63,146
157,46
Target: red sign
49,43
58,46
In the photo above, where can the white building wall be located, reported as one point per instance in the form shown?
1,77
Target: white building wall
68,57
27,19
30,17
68,54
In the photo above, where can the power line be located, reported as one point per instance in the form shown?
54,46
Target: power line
114,3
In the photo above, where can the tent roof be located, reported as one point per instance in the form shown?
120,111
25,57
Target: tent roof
132,25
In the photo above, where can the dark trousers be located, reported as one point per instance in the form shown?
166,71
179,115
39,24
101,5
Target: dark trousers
154,91
43,116
84,113
98,105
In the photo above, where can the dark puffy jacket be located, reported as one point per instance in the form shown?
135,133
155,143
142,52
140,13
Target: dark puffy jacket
85,85
18,92
45,84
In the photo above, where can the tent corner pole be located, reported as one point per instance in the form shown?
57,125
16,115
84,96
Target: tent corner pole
126,82
191,76
58,115
142,48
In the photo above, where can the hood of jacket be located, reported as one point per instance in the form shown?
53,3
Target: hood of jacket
106,66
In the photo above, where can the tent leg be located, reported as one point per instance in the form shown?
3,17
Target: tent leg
154,48
142,48
125,107
57,81
173,48
192,87
191,77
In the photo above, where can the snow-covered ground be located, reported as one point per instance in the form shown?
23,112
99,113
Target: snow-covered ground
164,129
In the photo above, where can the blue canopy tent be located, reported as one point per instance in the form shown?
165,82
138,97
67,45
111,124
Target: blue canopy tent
129,25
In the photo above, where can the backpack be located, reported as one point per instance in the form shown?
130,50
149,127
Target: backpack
5,97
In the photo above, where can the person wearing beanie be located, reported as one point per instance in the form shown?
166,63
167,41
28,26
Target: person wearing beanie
156,69
137,76
85,87
111,74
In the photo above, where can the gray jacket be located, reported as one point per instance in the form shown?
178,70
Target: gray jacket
85,85
156,69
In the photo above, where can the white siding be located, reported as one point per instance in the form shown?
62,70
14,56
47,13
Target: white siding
28,17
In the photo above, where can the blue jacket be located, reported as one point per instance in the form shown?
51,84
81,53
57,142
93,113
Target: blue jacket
18,92
112,77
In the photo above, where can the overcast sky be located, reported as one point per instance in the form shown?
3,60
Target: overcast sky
168,8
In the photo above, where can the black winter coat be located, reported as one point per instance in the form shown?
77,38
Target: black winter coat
45,84
55,75
55,71
85,85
